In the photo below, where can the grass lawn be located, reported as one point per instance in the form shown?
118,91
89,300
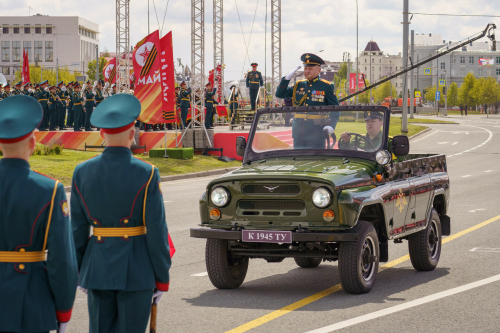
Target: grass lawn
61,167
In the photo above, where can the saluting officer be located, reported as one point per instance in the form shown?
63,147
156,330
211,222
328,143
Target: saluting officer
185,95
38,268
61,105
69,101
89,105
254,82
233,103
43,97
209,105
307,127
77,107
126,261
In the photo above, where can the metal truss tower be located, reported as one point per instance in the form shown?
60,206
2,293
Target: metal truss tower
276,45
197,63
122,44
219,38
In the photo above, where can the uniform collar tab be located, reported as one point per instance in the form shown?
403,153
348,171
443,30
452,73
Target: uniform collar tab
15,162
117,150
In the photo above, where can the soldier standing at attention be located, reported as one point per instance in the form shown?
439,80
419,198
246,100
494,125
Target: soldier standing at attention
98,93
25,90
61,105
89,105
37,288
307,127
233,103
17,89
43,97
126,261
77,107
185,103
209,105
254,82
69,101
52,104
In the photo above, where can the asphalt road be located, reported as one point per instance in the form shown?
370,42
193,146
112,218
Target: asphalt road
455,297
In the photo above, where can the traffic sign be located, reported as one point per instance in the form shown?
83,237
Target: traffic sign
442,83
427,71
438,95
417,93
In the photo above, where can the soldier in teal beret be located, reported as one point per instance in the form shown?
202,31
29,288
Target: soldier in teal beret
126,261
233,103
43,97
69,98
38,271
254,82
6,91
61,105
17,89
89,105
78,101
25,90
98,93
209,105
185,104
307,127
52,106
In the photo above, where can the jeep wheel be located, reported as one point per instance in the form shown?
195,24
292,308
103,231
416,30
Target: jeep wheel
308,262
358,261
224,271
425,246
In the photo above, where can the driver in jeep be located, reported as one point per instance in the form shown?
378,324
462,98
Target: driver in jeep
373,139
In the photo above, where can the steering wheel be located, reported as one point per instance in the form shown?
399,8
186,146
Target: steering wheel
362,137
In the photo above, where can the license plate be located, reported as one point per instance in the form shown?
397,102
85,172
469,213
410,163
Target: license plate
264,236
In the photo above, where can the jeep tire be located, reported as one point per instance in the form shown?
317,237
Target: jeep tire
224,271
425,246
308,262
358,261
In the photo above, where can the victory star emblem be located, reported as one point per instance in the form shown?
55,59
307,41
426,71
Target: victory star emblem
145,54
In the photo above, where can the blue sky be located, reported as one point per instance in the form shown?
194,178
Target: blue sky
307,26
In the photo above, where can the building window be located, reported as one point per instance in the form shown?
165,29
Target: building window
498,71
5,30
373,60
49,51
453,60
27,48
16,51
27,29
380,61
38,51
462,60
365,61
396,84
38,29
5,51
480,72
471,60
5,70
48,30
443,66
442,77
498,60
16,30
365,69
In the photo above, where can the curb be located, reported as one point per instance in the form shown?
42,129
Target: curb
165,179
420,133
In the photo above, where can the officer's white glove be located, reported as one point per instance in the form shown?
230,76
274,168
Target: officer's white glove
64,88
83,290
292,73
62,327
157,296
329,128
46,89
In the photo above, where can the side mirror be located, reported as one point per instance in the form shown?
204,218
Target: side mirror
400,145
241,144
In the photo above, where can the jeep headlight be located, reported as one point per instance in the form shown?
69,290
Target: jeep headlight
321,197
383,157
219,196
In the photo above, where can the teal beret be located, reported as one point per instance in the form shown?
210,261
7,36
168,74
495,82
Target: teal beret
43,82
116,111
20,115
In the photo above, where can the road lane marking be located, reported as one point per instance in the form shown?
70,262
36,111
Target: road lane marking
167,201
413,141
482,144
475,210
201,274
464,176
488,170
407,305
308,300
483,249
454,143
442,143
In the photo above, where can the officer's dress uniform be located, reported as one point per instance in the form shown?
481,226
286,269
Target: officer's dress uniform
52,105
185,104
43,98
89,107
355,143
71,114
4,95
209,106
254,82
16,92
127,256
77,110
98,97
233,105
37,289
61,108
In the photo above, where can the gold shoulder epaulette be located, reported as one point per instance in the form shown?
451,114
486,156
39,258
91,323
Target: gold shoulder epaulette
326,81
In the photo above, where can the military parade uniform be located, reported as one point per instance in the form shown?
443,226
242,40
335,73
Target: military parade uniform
43,98
233,103
69,101
185,104
307,127
37,255
368,144
5,93
209,106
17,89
127,256
52,106
61,105
77,108
254,82
89,106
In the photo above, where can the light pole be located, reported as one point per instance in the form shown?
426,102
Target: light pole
357,54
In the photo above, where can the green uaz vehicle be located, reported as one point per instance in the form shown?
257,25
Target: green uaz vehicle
339,191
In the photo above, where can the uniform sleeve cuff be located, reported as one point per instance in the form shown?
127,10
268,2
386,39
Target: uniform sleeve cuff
162,286
63,316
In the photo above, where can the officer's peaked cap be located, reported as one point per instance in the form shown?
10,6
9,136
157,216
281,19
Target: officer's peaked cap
310,59
116,112
20,115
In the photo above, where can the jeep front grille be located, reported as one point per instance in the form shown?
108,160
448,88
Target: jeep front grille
291,189
283,205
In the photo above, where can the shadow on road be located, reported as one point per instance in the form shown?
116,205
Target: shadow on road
277,291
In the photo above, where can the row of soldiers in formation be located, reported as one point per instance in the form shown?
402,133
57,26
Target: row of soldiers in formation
65,106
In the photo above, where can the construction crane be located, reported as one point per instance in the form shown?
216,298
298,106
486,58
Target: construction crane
489,32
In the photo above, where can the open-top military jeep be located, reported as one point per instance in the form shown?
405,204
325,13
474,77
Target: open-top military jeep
315,195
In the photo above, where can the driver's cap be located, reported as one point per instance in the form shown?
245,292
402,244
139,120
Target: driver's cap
373,115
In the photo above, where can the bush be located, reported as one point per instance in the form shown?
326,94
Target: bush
51,149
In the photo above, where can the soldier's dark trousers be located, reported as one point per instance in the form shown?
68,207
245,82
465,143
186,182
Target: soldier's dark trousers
309,144
46,118
71,116
88,113
53,119
233,112
119,311
253,97
208,117
78,121
184,115
62,115
82,118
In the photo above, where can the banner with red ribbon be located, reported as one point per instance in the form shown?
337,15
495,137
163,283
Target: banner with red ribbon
167,78
109,71
25,73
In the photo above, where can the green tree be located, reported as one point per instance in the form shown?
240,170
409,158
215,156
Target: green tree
48,74
92,68
430,94
465,93
453,95
383,91
487,90
364,98
105,53
341,75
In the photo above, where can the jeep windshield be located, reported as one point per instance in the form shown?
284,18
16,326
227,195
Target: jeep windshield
345,131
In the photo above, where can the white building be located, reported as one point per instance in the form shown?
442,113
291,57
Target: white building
69,41
376,64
